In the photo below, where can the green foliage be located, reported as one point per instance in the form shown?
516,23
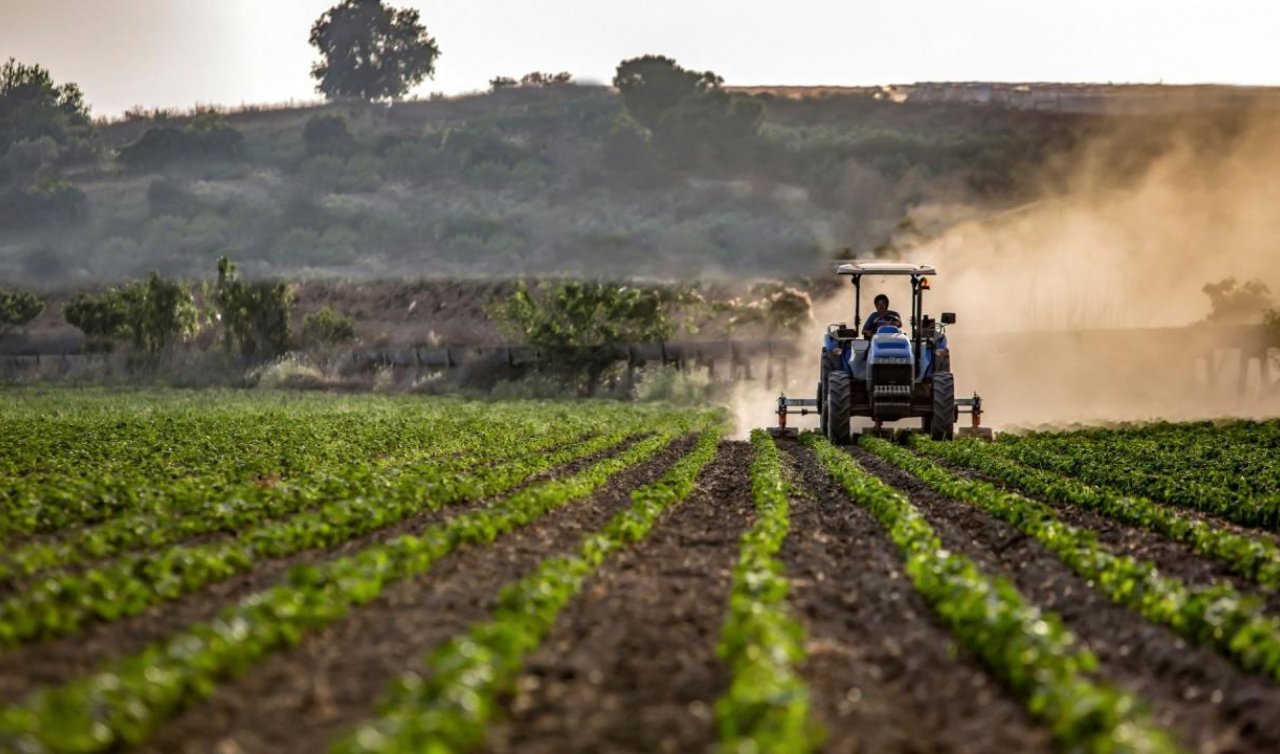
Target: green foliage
254,315
767,705
483,664
1254,557
46,203
327,328
481,451
33,108
1217,615
17,309
582,314
327,134
149,315
1030,650
371,51
207,137
653,85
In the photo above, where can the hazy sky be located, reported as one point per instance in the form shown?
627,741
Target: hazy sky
175,53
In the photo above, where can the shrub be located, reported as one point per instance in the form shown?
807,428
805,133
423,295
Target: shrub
255,316
327,328
53,202
207,137
150,315
327,134
17,309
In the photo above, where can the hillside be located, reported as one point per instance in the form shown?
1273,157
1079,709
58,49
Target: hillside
525,181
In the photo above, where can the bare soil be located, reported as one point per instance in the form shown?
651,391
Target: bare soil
59,660
885,674
1209,703
298,701
631,664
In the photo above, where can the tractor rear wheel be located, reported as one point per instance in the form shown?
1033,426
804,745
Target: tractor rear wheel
942,424
839,407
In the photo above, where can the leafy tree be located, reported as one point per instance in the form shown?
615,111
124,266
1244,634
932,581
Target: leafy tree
327,134
33,106
17,309
576,323
371,51
327,327
653,84
1237,304
150,315
255,315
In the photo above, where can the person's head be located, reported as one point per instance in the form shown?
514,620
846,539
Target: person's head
882,303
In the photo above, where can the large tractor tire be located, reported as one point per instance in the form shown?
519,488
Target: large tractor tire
822,403
839,407
943,422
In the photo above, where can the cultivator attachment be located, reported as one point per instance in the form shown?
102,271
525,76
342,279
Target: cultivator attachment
800,406
973,407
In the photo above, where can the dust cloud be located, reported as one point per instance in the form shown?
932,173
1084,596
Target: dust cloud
1086,305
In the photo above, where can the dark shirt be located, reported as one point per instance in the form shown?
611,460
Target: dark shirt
877,319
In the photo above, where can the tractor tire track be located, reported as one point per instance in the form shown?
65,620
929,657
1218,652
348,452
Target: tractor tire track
56,661
1205,700
884,672
631,664
299,700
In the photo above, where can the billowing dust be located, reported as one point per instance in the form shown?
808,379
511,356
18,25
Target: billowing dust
1112,248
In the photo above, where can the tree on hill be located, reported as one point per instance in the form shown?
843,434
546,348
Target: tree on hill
653,84
371,51
33,107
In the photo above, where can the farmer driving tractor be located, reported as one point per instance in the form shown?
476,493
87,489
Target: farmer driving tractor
882,316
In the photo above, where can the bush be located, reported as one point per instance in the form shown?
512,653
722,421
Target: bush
327,134
47,203
207,137
255,316
149,315
327,328
668,384
17,309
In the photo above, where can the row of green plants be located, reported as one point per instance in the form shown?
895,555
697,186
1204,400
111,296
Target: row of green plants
449,710
1217,616
126,699
1240,486
62,604
767,707
1255,558
207,462
1031,651
460,446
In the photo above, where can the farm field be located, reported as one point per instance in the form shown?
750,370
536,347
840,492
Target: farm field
276,572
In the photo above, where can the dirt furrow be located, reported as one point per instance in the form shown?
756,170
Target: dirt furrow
631,664
297,701
1172,557
1209,703
57,661
885,674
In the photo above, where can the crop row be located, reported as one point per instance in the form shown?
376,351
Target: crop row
254,504
128,698
1216,615
767,706
48,502
1029,650
1208,472
61,604
449,710
1255,558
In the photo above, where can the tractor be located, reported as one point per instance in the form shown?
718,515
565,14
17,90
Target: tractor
890,375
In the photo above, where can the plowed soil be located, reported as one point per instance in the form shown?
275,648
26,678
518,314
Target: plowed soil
631,664
297,701
885,674
1209,703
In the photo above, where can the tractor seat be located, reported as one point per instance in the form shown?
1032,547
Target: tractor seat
846,333
887,330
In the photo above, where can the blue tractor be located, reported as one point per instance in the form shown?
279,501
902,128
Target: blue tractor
902,370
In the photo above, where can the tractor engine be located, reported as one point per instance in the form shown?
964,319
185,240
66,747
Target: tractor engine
890,373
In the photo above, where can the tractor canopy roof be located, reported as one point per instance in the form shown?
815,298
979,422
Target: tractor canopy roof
884,268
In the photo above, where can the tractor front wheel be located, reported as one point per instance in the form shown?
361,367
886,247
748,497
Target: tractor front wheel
942,424
839,408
